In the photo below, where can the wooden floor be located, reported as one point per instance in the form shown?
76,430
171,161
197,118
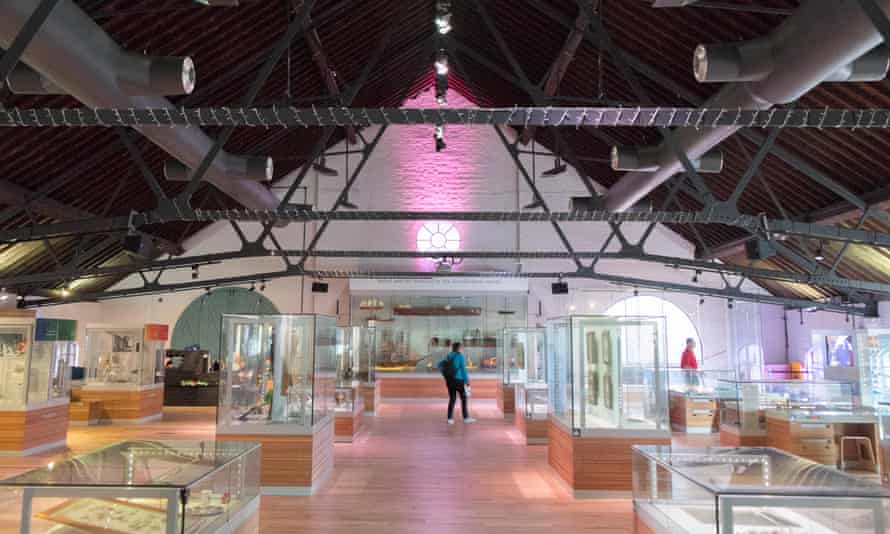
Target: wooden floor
406,472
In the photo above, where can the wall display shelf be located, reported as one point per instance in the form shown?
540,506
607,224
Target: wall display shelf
694,396
34,382
277,387
726,490
608,390
532,412
517,348
136,487
125,371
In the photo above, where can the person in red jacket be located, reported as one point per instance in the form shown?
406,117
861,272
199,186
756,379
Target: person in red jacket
689,363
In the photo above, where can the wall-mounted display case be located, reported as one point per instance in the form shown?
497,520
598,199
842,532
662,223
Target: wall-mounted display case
277,383
607,380
136,487
125,371
34,382
750,490
743,404
694,398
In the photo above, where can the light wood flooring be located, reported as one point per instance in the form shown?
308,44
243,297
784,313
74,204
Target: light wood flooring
406,472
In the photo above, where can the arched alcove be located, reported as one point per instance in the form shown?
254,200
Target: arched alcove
679,326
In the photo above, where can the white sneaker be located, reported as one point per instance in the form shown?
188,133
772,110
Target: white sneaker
469,420
451,421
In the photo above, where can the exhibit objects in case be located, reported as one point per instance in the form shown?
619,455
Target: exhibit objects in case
140,487
516,348
125,371
608,390
277,385
348,405
724,490
34,382
532,412
694,397
367,376
873,351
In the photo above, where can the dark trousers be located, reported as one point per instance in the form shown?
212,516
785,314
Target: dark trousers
455,388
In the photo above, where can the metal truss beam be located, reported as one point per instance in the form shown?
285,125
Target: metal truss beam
543,116
11,57
757,225
326,71
728,292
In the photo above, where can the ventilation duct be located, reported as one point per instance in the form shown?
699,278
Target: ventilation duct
255,169
808,48
76,57
625,158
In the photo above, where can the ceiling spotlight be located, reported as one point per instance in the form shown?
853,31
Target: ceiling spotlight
439,136
207,290
321,168
695,277
252,287
820,255
535,204
729,303
262,285
636,292
20,297
441,64
443,24
160,299
66,292
701,301
195,273
559,167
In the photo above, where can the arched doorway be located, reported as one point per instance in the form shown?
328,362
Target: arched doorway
679,326
199,323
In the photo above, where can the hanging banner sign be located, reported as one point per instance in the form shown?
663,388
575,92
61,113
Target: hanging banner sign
55,330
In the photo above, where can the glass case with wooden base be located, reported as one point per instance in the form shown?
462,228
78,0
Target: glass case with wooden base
277,384
532,412
34,382
125,371
608,390
520,358
726,490
140,487
694,397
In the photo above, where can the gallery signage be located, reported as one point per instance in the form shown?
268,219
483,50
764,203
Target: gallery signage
55,330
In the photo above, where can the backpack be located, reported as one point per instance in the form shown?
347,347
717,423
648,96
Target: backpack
447,367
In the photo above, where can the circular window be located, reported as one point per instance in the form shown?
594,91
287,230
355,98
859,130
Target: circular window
438,237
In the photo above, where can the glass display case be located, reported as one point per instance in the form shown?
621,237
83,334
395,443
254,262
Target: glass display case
699,382
277,371
347,351
873,350
15,361
125,356
367,355
54,350
521,355
607,373
344,400
744,403
532,401
751,490
136,487
694,396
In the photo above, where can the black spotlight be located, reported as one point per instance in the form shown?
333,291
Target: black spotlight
319,287
559,288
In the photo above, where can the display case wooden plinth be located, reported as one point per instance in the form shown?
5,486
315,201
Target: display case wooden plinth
370,394
693,414
820,441
431,386
291,464
347,424
127,404
85,413
534,430
35,430
506,397
597,465
731,436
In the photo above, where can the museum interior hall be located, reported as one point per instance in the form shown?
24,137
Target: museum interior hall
444,266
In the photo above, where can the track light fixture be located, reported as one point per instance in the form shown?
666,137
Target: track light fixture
559,167
443,16
321,168
820,254
701,301
441,64
262,285
439,137
195,273
729,303
252,287
695,277
636,292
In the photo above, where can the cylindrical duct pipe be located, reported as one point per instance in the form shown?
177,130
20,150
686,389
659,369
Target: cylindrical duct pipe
871,67
733,62
811,47
647,159
73,52
140,75
23,80
256,169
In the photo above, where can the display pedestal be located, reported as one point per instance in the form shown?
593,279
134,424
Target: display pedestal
533,430
347,424
598,463
693,414
292,464
732,436
34,430
430,386
126,404
819,441
506,396
85,413
370,394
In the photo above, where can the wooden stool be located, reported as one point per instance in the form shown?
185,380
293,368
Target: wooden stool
862,443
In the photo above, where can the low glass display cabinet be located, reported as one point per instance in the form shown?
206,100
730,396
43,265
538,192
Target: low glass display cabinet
367,375
608,390
277,387
34,383
515,347
694,396
136,487
725,490
125,371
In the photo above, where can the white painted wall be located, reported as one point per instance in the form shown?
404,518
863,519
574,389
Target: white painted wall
475,172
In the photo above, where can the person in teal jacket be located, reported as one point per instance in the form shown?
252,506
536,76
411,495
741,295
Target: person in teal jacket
457,384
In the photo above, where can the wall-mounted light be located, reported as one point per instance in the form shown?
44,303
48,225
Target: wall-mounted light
195,273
